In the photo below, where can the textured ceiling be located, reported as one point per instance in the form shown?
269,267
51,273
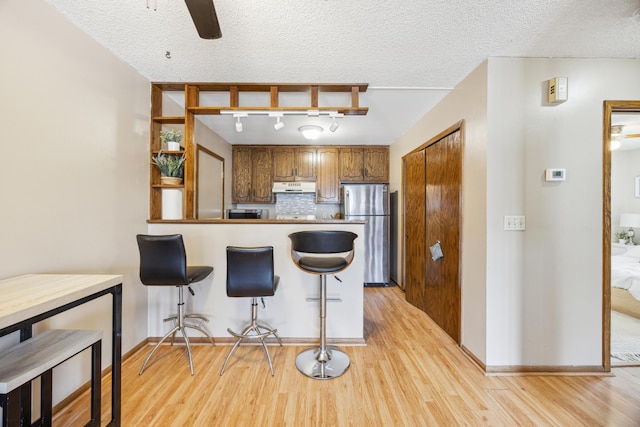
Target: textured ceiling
410,52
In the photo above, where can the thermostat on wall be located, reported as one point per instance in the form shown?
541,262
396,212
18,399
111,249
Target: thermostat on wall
555,174
557,90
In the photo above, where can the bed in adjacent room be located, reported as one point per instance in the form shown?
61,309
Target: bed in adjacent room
625,279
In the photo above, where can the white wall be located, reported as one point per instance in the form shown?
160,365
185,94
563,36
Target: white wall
214,142
469,102
75,127
542,288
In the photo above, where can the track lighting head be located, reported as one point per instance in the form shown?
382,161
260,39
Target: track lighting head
238,124
335,125
278,125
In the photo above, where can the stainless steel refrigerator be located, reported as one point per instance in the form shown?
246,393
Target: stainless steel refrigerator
370,202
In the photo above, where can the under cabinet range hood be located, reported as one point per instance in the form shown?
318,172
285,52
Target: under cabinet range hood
294,187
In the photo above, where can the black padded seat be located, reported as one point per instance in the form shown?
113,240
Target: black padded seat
322,265
315,252
250,273
198,273
163,262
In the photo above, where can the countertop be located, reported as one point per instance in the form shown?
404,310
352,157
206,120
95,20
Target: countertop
255,221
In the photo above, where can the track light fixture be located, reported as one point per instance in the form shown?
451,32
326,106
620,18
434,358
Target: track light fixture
334,124
310,131
278,125
238,122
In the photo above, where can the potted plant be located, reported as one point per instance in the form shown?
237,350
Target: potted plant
622,236
171,167
172,138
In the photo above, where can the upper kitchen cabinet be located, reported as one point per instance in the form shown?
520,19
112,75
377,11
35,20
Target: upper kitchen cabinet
294,164
252,174
327,183
364,164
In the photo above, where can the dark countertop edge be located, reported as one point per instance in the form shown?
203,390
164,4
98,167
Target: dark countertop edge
253,221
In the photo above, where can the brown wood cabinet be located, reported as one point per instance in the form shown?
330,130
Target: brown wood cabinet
294,163
327,183
364,164
256,167
252,174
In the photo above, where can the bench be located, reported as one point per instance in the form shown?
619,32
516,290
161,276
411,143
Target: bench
36,357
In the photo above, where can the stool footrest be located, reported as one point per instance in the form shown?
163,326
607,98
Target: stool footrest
252,336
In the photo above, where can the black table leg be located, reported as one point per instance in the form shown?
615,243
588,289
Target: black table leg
25,389
116,357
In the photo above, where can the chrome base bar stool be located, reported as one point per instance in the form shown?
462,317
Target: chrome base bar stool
163,262
250,274
322,362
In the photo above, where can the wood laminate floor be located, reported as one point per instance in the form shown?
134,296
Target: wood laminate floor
410,373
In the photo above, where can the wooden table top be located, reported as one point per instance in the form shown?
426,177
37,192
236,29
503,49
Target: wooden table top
26,296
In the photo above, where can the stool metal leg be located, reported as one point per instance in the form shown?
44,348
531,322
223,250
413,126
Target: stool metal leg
324,362
180,326
253,331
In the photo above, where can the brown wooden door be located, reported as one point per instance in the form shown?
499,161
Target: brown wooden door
305,164
433,179
450,222
443,181
262,181
327,184
415,228
376,164
351,164
241,167
283,164
434,168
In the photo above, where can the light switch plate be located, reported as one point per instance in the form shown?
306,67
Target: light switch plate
515,223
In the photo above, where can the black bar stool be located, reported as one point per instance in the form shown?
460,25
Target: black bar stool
250,274
323,362
163,262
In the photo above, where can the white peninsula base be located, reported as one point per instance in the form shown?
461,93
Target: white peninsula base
295,318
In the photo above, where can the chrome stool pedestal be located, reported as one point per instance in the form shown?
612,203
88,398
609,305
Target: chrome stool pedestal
324,362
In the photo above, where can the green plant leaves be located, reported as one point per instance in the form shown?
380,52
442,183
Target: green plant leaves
169,164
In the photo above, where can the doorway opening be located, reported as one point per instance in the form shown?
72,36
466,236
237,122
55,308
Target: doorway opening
621,201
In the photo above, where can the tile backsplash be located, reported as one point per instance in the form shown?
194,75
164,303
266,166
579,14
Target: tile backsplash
296,204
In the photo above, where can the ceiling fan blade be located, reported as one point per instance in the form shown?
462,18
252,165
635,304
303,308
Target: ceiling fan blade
632,135
204,18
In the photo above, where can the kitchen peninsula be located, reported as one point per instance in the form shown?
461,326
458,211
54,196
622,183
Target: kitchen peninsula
292,310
